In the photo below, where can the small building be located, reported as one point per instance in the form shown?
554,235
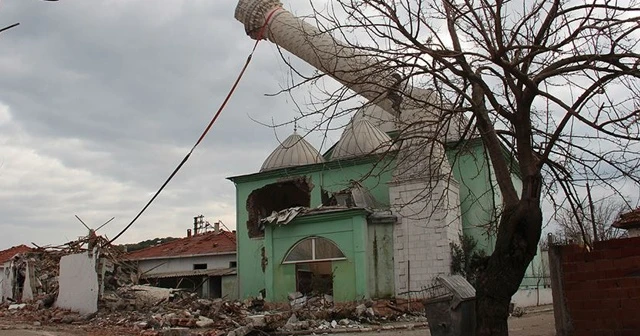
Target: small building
10,285
629,221
203,262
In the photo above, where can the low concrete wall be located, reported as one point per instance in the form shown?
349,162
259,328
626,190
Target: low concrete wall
78,282
531,297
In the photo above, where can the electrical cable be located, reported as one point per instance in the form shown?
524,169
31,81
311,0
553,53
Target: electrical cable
206,130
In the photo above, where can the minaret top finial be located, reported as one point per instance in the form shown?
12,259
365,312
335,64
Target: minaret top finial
252,13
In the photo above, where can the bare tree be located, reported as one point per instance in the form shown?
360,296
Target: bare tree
601,215
550,87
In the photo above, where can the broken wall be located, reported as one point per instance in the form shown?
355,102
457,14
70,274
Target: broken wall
332,177
78,281
5,287
275,197
17,280
346,228
29,281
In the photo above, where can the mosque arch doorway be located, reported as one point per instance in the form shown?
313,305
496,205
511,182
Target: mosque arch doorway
313,258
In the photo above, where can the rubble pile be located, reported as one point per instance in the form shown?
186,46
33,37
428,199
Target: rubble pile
151,311
36,273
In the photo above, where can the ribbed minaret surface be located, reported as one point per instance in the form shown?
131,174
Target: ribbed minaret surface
423,195
360,72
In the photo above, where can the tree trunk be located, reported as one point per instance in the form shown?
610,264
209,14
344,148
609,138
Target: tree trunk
516,245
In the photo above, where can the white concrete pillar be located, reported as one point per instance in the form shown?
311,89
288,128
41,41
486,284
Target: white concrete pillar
428,214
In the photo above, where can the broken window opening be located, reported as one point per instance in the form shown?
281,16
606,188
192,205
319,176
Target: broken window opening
328,198
275,197
314,278
199,266
313,249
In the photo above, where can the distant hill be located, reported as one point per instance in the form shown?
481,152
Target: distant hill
145,243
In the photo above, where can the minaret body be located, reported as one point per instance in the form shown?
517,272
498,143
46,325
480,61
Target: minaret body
423,194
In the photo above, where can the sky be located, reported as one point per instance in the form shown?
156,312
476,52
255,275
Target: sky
100,100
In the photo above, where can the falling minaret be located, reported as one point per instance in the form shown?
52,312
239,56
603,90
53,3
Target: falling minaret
422,193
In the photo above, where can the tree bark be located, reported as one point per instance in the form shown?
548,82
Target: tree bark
516,245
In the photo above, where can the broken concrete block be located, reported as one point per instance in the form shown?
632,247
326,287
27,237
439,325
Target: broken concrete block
334,324
294,324
370,312
360,310
174,332
240,331
295,295
344,322
141,325
152,295
204,322
293,319
298,303
17,306
258,321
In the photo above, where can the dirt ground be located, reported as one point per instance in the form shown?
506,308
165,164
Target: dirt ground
537,323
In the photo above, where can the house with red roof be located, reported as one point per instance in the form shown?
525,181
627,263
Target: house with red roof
6,272
203,262
629,221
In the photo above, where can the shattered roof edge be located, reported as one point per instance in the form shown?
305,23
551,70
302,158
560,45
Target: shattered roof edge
340,213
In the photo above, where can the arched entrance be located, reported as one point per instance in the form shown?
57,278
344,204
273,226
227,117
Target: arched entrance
313,257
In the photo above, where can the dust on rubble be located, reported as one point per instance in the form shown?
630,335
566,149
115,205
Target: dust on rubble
126,308
131,310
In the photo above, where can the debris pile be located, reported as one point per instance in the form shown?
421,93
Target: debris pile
33,276
151,311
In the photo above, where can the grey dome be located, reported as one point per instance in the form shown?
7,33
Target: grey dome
380,118
293,151
360,138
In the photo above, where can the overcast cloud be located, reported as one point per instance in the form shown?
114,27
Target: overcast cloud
99,101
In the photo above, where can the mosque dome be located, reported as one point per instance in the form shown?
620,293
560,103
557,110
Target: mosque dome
359,138
293,151
380,118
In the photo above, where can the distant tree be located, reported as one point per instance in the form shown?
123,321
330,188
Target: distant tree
579,227
145,244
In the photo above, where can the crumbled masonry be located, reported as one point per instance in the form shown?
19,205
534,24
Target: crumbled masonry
181,313
147,310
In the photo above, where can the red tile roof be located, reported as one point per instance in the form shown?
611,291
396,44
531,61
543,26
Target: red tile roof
6,255
628,220
206,243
